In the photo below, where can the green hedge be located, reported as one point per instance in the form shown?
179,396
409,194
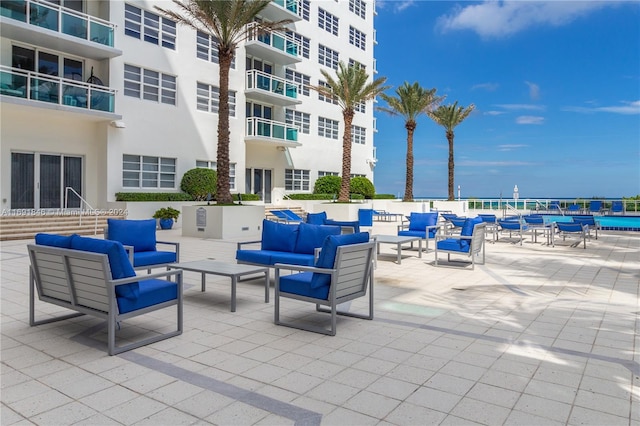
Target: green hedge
326,197
384,197
153,196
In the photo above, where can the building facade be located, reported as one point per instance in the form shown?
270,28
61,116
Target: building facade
99,97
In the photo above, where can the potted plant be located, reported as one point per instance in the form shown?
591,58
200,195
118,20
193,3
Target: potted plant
166,215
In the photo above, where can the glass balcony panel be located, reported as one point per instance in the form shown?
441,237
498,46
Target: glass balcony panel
14,9
278,42
13,85
263,82
277,87
74,95
292,48
43,16
292,6
44,90
264,129
292,91
102,100
278,131
101,33
292,134
74,26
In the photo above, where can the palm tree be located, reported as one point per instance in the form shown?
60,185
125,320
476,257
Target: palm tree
449,116
350,88
228,21
410,101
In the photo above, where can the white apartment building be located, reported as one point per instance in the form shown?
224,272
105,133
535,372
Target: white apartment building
109,96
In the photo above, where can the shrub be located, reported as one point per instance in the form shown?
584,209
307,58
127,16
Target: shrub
321,197
167,213
384,197
327,185
153,196
199,183
363,186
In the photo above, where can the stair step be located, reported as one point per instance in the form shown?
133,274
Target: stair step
14,227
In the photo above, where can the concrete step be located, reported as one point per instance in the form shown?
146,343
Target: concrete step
18,227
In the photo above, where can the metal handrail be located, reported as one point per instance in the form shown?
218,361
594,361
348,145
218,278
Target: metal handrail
66,203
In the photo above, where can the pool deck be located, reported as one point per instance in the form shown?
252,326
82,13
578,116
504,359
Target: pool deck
538,336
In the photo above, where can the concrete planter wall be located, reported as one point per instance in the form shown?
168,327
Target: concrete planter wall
223,222
461,208
146,209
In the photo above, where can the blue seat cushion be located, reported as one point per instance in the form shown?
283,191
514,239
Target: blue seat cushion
453,244
467,230
145,258
278,236
316,218
586,220
151,292
354,224
270,257
420,221
54,240
569,226
292,258
328,254
260,257
301,284
141,234
118,262
311,237
512,225
409,233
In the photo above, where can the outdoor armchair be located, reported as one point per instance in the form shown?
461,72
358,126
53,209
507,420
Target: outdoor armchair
573,229
423,225
470,242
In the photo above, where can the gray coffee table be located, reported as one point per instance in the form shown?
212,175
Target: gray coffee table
398,241
231,270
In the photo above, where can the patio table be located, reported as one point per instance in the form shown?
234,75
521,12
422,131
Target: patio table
398,241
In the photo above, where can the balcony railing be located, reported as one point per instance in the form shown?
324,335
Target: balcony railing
59,19
260,80
290,5
55,90
257,126
275,39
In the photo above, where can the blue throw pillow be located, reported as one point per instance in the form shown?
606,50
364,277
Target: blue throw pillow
328,254
278,236
316,218
311,237
141,234
118,261
420,221
54,240
467,229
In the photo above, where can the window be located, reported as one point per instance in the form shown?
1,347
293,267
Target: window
321,97
208,99
358,135
354,63
152,28
140,171
299,119
323,174
207,48
302,41
296,180
359,7
357,38
303,80
305,9
360,107
203,164
149,85
327,128
327,21
328,57
357,175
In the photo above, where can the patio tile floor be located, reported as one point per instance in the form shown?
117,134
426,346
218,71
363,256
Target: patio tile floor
538,335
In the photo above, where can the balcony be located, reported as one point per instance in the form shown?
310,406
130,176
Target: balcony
36,89
279,10
273,46
271,89
268,132
44,24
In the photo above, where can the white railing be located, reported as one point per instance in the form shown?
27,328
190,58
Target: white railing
257,79
82,201
257,126
275,39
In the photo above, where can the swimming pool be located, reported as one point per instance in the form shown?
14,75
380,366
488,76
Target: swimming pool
612,223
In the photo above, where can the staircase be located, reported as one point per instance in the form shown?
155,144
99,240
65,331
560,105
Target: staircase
63,222
268,215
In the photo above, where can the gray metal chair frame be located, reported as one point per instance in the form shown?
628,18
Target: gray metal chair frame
583,234
476,243
351,277
81,281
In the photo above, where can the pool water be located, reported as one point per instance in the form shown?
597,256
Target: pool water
616,223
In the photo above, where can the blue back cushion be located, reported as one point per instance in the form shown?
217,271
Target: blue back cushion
141,234
316,218
278,236
327,256
420,221
118,261
312,236
467,229
54,240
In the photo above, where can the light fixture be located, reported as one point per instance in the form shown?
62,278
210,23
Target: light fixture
118,124
282,149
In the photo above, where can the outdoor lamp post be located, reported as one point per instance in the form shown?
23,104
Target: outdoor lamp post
458,192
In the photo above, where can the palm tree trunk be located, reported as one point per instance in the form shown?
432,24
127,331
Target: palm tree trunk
408,189
223,193
450,139
345,185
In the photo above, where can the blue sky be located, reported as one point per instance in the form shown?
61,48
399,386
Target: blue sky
556,86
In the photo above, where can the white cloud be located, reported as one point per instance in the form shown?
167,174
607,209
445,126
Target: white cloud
511,147
495,163
494,113
529,119
628,108
397,6
493,19
519,107
489,87
534,90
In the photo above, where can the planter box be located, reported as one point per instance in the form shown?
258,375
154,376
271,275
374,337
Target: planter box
223,222
461,208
